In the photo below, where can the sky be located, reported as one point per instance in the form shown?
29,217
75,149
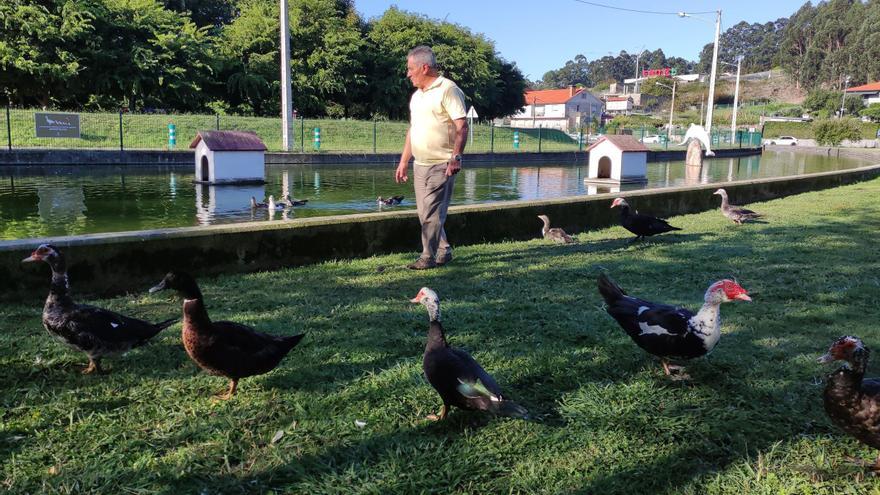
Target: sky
541,35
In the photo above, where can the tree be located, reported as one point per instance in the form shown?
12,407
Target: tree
757,43
38,49
832,132
872,111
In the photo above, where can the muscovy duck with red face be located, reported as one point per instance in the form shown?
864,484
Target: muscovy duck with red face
455,375
671,332
95,331
639,224
851,401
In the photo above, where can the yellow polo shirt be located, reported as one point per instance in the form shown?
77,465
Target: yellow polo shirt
431,128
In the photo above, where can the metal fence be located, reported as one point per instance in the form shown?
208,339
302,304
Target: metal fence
129,131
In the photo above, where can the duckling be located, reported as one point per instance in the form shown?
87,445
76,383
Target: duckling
851,401
392,201
555,234
95,331
454,374
224,348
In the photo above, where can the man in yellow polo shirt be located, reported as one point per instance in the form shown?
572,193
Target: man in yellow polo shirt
436,139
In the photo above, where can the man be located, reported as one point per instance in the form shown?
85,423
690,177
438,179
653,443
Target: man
436,139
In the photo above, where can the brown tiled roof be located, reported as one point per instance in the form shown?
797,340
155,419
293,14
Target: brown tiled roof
624,142
875,86
230,141
551,96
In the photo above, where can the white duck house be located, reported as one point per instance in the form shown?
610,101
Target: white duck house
616,159
229,157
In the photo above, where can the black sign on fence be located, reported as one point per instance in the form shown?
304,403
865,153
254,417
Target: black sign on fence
56,125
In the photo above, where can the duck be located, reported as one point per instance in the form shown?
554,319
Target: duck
455,375
224,348
95,331
851,401
255,205
392,201
736,213
295,202
671,332
555,234
640,225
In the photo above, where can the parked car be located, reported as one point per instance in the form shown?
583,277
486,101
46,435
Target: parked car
652,139
784,141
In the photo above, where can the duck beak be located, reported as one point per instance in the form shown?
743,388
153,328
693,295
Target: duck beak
825,358
158,287
744,297
31,259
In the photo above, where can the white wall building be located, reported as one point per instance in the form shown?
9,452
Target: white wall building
563,109
619,105
870,93
618,158
229,157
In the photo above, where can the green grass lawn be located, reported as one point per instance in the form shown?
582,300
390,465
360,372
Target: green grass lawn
604,417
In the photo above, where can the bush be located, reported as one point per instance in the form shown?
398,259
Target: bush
834,131
872,112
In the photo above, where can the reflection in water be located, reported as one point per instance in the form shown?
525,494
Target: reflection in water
49,201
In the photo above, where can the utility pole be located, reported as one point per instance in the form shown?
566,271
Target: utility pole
286,103
711,101
735,101
843,99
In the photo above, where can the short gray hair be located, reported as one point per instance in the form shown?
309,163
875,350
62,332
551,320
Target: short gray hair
423,55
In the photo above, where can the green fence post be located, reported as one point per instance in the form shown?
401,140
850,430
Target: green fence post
374,136
539,139
317,138
172,135
516,140
120,130
8,129
302,134
492,138
218,121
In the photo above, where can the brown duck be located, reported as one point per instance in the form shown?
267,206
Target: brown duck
555,234
224,348
851,401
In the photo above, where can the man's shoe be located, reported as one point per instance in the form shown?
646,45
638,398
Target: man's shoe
422,264
445,258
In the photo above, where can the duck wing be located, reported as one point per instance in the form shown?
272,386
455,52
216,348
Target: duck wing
242,351
91,327
647,225
559,235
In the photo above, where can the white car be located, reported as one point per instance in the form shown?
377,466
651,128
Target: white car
784,141
652,139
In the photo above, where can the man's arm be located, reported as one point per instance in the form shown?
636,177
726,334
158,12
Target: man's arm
461,132
405,157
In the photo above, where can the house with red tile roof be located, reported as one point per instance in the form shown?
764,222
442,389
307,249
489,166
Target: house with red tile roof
564,109
870,93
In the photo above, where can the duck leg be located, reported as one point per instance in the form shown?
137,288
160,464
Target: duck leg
233,385
444,411
93,367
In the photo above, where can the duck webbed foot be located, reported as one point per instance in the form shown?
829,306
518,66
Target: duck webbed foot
444,411
674,371
93,367
233,386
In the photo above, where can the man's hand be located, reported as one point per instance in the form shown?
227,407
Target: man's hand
452,167
400,173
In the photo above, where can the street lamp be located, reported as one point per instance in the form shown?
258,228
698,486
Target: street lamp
637,68
671,108
843,99
711,102
735,99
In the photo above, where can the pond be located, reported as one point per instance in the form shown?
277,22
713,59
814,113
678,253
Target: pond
43,201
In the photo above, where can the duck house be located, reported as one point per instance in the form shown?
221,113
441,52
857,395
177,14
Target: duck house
229,157
616,159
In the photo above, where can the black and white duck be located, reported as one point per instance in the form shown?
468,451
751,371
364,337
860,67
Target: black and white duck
640,225
555,234
97,332
224,348
736,213
454,374
392,201
851,401
290,202
670,332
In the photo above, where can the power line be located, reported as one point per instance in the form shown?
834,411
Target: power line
655,12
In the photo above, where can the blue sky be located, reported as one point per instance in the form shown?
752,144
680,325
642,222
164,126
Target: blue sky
542,35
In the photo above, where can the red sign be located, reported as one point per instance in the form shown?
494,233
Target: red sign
664,72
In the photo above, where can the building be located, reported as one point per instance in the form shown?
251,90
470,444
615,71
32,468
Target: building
229,157
618,105
617,158
563,109
870,93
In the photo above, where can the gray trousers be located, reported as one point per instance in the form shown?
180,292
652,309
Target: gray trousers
433,192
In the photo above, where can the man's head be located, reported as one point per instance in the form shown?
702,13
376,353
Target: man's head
421,66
